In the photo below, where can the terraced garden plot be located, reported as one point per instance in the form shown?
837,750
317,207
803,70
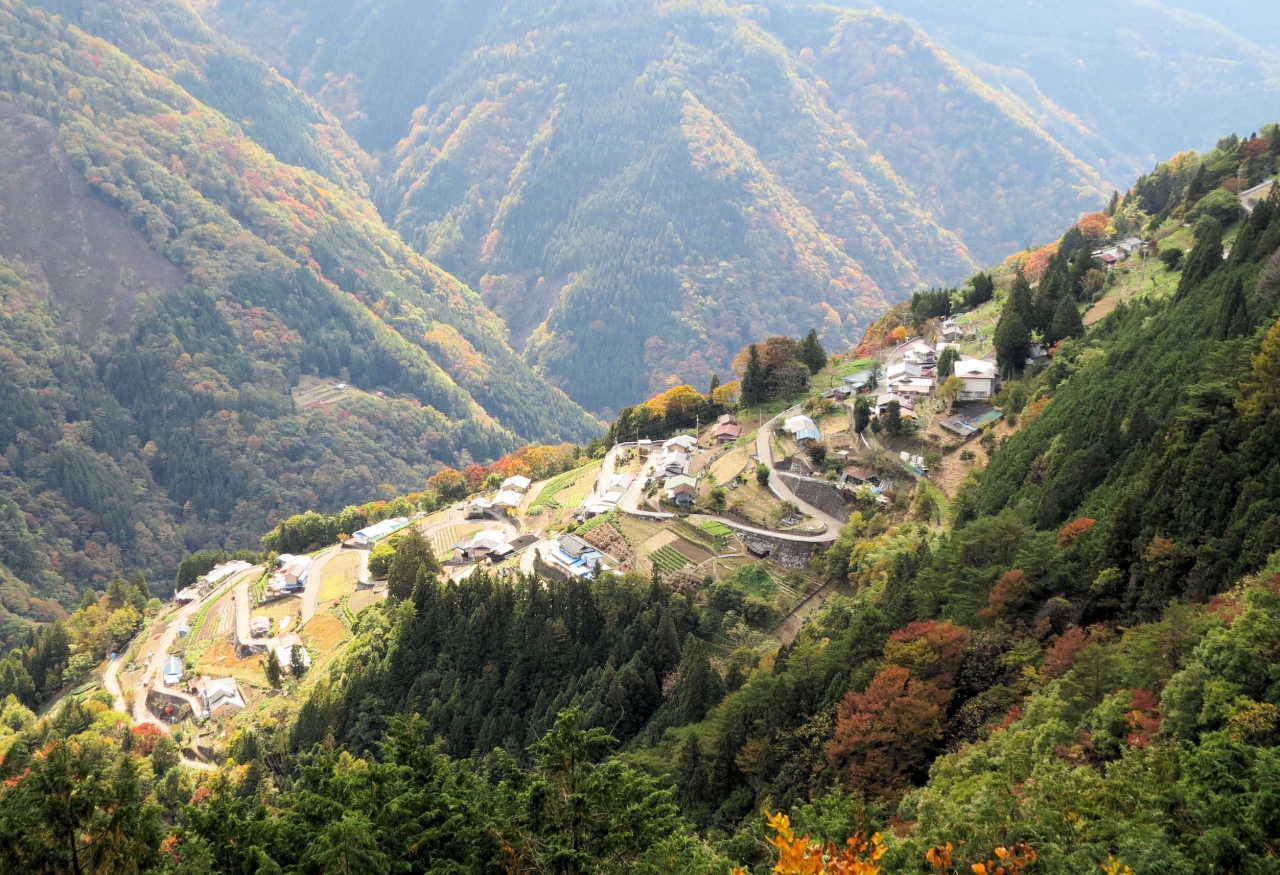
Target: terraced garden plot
362,598
566,490
693,552
325,632
340,575
444,540
731,464
720,534
668,560
219,619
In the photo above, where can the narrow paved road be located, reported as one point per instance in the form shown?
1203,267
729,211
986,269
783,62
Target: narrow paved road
764,453
311,594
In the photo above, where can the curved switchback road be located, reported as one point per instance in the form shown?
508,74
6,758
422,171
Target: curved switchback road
764,454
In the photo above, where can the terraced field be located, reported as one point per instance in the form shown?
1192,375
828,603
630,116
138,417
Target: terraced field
720,534
219,619
340,575
444,540
565,491
669,560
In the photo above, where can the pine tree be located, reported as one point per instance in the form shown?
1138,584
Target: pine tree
947,363
754,387
1012,341
1205,258
1019,300
893,418
272,669
1113,204
715,384
1066,321
297,661
981,289
413,555
861,414
1053,287
698,686
1233,315
812,353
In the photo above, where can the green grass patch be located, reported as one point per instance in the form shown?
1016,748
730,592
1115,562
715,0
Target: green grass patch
597,521
719,533
756,581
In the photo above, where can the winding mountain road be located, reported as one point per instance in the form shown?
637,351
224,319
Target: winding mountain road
764,453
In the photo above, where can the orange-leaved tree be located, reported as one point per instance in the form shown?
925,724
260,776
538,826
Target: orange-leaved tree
800,856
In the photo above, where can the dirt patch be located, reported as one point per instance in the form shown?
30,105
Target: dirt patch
279,609
85,254
1104,308
325,632
220,660
948,475
363,598
731,464
694,553
660,540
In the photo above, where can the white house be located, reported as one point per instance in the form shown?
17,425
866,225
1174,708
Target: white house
366,538
516,484
481,544
980,379
221,697
507,498
686,442
921,353
803,429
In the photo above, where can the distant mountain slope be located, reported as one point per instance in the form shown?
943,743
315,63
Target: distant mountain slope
655,185
210,278
1149,79
656,196
976,156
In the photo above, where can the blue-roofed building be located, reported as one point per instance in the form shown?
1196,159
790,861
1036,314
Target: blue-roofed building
575,556
172,671
803,429
859,382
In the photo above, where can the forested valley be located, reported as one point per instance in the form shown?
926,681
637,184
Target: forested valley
1067,662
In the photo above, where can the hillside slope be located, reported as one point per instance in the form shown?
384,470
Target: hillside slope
1148,79
210,277
656,185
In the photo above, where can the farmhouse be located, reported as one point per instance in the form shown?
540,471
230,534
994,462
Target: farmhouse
573,556
979,379
366,538
516,484
727,429
803,429
221,697
681,490
481,544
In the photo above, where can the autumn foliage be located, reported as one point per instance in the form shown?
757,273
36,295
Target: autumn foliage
800,856
885,734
